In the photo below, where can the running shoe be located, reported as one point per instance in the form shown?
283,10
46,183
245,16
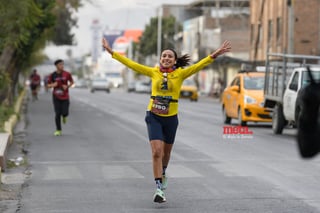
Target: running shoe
57,133
164,182
64,120
159,197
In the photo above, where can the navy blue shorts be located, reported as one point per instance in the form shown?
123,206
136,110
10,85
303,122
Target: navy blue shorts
161,128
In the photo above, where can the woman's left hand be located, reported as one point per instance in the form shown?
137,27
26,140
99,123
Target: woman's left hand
225,47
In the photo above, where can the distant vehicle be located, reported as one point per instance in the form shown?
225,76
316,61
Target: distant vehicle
189,90
142,87
80,83
243,99
100,84
115,78
284,80
131,86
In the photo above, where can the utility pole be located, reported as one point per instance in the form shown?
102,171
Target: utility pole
159,32
129,78
96,47
290,48
257,40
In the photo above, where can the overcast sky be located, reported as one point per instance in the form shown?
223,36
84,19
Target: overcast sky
112,14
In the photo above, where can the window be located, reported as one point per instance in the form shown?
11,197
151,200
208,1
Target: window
279,30
270,31
306,79
252,34
259,34
235,82
254,83
294,83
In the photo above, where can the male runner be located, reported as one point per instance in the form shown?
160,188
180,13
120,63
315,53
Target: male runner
60,80
34,84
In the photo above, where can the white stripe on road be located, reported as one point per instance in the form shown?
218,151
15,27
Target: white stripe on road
119,172
55,172
129,129
62,173
180,171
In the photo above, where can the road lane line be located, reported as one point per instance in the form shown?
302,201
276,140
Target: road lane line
180,171
119,172
129,129
62,173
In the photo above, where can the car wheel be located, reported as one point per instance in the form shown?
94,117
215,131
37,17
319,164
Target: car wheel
240,121
108,91
278,120
92,90
226,118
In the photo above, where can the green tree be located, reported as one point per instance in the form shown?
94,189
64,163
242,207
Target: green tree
27,25
148,42
18,20
65,22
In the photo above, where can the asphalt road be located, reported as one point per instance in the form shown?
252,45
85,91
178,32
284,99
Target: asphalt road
102,162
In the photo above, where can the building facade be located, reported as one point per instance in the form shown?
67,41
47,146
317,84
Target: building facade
206,24
284,26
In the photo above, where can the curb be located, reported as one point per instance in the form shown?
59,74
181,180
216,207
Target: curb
12,121
6,138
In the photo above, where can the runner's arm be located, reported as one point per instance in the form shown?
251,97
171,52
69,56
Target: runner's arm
50,83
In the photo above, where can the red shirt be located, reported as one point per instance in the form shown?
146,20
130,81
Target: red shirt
35,79
62,79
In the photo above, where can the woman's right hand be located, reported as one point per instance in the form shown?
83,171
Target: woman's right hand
106,46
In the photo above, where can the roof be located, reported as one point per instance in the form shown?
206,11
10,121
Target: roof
133,34
221,3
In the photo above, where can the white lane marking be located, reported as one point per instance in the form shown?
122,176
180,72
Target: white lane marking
180,171
62,173
119,172
129,129
116,161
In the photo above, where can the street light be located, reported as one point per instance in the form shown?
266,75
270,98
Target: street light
159,32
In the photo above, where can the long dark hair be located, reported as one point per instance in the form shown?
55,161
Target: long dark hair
181,61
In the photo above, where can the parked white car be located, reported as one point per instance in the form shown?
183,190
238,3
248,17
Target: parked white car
100,84
143,87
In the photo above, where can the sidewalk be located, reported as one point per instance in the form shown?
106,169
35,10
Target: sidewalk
15,173
6,138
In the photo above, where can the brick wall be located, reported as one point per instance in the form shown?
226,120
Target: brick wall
306,27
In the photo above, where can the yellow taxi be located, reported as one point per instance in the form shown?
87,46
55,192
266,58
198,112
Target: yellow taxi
189,90
243,99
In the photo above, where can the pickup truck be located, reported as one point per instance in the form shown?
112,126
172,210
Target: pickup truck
285,75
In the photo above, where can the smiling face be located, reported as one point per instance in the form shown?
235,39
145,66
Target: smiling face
167,59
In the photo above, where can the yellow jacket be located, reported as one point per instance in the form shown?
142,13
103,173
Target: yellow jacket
175,78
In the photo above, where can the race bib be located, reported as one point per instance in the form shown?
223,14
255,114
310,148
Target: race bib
58,92
160,106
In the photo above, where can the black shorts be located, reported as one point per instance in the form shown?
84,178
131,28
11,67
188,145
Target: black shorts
33,86
161,128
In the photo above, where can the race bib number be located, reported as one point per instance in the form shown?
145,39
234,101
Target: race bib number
58,92
160,106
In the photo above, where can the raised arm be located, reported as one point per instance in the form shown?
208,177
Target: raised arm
106,46
224,48
142,69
